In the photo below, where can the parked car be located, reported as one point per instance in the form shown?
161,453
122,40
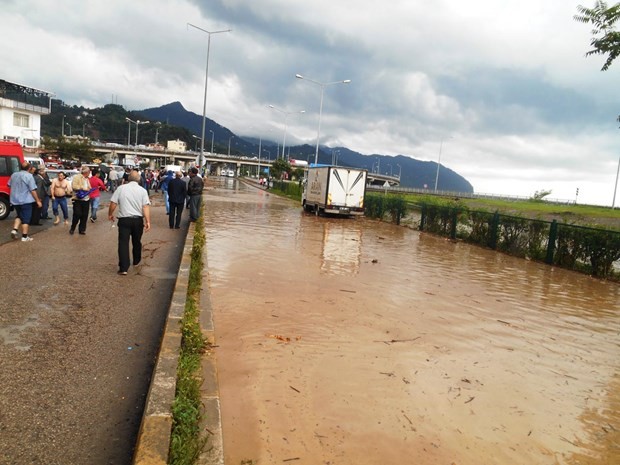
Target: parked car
68,174
11,157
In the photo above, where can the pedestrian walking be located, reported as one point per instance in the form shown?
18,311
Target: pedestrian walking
113,178
164,188
194,189
60,190
35,220
23,198
177,191
97,185
48,193
186,181
80,185
134,218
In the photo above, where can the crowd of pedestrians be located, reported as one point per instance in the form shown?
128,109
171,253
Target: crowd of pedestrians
32,190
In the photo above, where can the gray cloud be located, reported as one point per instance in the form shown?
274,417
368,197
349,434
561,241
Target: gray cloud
507,89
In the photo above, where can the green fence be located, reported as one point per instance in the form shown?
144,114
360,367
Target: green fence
588,250
580,248
287,188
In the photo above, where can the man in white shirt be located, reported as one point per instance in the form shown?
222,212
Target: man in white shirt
134,218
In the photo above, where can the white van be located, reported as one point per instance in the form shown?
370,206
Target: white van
173,168
37,162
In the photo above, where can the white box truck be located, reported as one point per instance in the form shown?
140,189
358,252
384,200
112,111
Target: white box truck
334,190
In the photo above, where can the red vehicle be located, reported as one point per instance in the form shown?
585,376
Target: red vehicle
11,157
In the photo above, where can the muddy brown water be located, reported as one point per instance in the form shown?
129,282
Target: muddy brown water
350,341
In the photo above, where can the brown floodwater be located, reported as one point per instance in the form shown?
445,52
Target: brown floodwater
351,341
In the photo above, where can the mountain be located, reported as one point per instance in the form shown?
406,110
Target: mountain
173,121
414,173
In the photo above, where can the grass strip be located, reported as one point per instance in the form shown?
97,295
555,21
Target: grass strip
187,442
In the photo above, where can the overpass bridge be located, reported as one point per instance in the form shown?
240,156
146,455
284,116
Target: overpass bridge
242,165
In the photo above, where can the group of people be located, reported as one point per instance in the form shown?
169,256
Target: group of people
31,190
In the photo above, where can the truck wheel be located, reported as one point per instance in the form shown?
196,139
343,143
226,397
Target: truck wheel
307,208
4,208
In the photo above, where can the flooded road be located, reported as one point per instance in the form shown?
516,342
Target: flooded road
349,341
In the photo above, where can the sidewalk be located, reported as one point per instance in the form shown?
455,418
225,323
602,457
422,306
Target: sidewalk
78,342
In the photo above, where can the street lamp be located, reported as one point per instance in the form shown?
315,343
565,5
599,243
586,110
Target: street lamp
204,105
197,139
335,154
438,164
399,170
157,126
69,129
322,85
229,139
260,146
138,123
212,137
286,115
63,125
129,121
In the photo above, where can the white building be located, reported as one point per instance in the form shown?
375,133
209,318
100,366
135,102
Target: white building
21,108
177,146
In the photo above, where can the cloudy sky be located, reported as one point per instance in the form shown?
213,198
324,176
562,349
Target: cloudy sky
501,86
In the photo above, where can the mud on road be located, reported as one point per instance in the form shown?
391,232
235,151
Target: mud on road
359,342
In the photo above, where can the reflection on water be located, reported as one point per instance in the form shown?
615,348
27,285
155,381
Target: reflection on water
411,345
342,246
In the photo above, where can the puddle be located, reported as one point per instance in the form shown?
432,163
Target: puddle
11,335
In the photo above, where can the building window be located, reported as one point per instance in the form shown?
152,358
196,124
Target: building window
30,143
21,120
10,138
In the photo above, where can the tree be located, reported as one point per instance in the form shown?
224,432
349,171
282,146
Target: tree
69,149
279,167
606,40
540,195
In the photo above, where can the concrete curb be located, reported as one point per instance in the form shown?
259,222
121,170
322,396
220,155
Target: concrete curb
153,441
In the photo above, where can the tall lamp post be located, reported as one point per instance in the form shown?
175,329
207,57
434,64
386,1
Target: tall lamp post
129,121
229,139
439,163
286,115
138,123
69,129
260,147
212,137
204,105
63,125
157,126
613,202
197,139
322,85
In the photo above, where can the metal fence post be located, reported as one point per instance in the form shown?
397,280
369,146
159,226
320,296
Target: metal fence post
553,235
493,225
453,227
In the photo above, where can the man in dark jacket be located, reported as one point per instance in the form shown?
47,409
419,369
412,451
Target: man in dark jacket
194,189
177,190
37,212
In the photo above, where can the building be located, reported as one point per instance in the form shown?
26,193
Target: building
21,108
177,146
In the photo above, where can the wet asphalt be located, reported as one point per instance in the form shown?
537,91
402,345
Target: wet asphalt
77,341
